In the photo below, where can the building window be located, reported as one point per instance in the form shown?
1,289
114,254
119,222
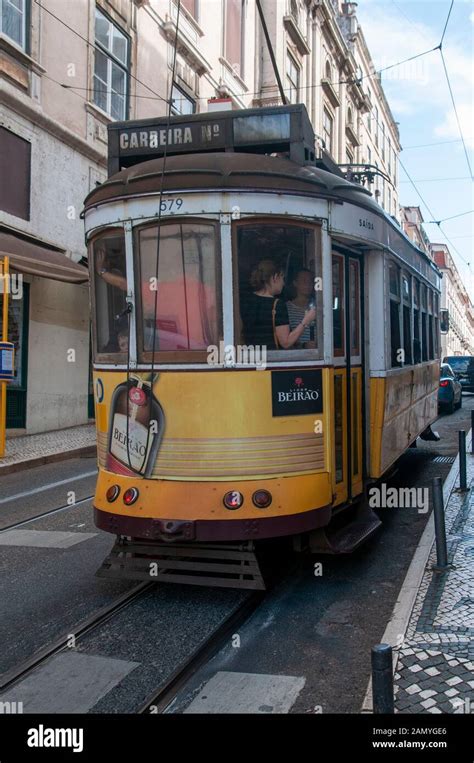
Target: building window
328,123
13,21
15,172
349,116
110,67
349,157
234,35
369,155
181,103
389,200
292,79
383,141
389,156
376,126
192,7
328,71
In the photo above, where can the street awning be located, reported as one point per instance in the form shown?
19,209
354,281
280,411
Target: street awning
28,255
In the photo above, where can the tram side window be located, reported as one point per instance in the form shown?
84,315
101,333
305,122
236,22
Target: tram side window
416,322
424,343
278,268
355,307
436,325
395,338
407,332
430,326
178,287
110,288
338,304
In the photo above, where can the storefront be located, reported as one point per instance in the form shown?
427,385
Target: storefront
48,315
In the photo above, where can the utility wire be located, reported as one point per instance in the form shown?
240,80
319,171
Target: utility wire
433,215
455,111
446,24
92,45
462,214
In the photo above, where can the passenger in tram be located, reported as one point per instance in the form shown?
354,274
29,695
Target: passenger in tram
265,315
303,285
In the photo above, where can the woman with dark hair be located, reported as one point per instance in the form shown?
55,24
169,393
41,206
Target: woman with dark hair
303,284
265,316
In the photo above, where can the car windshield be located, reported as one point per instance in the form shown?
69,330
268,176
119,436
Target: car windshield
459,363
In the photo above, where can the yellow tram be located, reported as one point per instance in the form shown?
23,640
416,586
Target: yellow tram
207,435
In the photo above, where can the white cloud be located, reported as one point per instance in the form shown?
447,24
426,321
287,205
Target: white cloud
420,85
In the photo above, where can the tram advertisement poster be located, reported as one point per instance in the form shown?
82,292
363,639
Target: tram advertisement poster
136,427
295,393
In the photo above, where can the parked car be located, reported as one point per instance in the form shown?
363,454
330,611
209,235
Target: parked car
463,367
450,390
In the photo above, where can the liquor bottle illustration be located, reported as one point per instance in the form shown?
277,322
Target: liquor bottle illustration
136,427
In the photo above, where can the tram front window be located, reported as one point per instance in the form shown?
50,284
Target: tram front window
108,254
178,285
279,277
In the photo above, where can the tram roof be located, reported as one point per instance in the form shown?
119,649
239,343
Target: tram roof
228,171
234,171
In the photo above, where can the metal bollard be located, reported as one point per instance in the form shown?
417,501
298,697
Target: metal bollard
382,679
440,529
462,460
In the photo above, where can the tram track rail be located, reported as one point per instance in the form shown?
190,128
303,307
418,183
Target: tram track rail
85,627
47,513
162,698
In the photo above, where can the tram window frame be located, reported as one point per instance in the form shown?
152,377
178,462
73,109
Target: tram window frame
407,318
314,354
182,356
354,299
396,327
339,349
416,321
103,357
436,325
431,352
424,323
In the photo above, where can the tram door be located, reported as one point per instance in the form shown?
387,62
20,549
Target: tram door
348,386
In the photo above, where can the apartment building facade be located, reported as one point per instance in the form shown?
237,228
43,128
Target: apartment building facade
455,298
68,69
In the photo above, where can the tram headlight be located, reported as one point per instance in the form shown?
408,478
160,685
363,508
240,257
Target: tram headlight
262,499
130,496
233,500
112,493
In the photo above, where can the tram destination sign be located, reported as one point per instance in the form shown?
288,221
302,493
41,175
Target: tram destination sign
136,141
284,129
295,393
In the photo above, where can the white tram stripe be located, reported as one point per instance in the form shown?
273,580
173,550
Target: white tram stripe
228,692
47,487
43,538
70,682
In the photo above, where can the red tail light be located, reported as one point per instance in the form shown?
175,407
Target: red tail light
443,383
233,500
130,496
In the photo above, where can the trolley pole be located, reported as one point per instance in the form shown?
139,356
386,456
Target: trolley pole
382,679
3,385
462,460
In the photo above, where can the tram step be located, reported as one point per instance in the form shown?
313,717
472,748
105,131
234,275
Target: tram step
347,538
206,564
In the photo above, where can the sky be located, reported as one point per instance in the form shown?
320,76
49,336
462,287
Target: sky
420,101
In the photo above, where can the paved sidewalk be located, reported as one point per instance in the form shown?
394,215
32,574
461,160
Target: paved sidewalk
32,450
435,666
